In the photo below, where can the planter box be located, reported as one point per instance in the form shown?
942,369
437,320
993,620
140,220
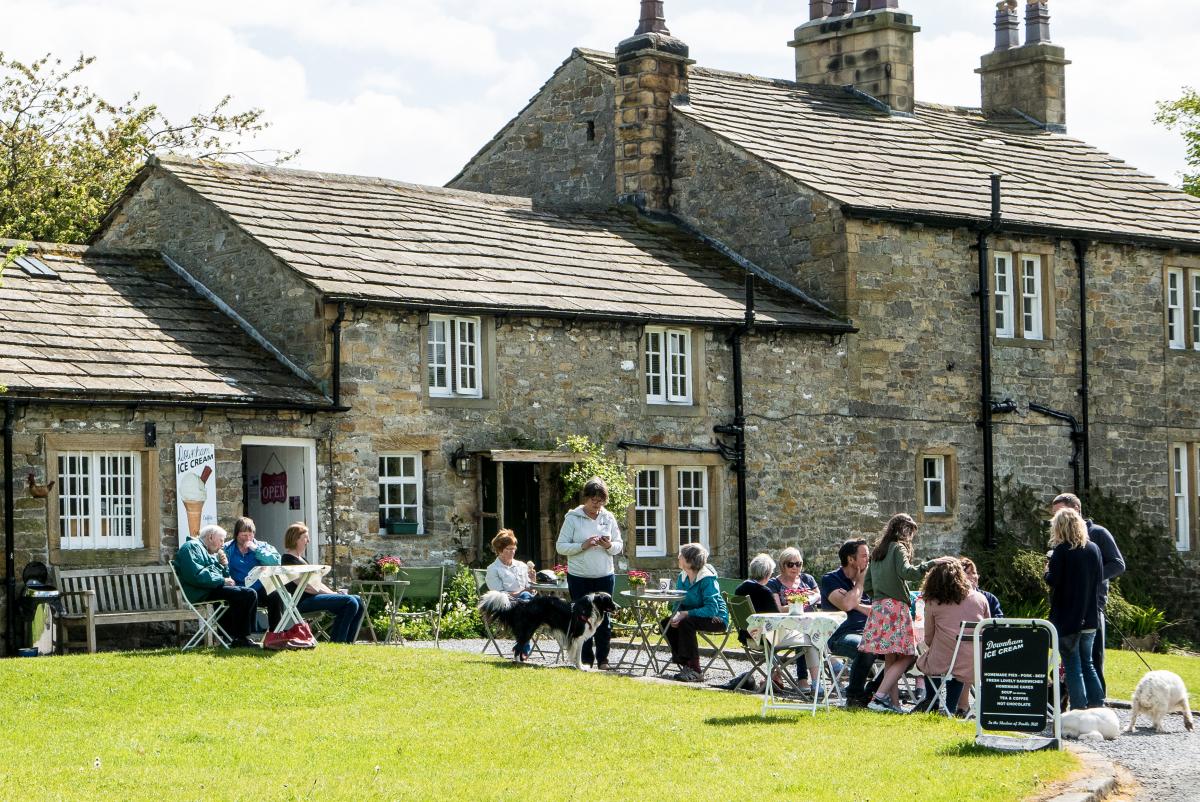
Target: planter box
402,527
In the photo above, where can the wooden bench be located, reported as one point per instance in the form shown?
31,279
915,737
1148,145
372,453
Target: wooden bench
95,597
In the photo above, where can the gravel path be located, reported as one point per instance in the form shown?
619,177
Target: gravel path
1167,765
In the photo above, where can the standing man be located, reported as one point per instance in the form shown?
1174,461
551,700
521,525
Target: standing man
205,576
843,590
1114,566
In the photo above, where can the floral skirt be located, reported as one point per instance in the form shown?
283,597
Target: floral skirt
889,629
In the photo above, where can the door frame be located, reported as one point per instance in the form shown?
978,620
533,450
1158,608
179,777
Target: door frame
310,485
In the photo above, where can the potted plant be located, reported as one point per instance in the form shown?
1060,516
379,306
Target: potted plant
389,567
798,598
638,580
400,526
560,571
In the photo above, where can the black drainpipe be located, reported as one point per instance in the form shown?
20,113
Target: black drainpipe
738,430
1077,436
10,547
1081,435
336,330
985,355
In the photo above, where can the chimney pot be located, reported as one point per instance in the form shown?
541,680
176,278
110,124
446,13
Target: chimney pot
1008,26
841,8
653,20
876,5
1037,21
819,9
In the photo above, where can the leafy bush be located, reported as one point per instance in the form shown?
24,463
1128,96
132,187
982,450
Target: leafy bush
594,463
460,619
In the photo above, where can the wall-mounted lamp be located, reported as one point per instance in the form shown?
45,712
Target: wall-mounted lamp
461,461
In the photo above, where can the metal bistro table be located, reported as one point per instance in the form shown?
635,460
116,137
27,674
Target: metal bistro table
643,604
560,591
275,579
391,592
816,628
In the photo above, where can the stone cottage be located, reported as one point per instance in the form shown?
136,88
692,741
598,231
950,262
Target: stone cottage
1046,327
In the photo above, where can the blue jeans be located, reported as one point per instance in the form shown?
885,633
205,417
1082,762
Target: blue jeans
580,586
1083,684
347,612
846,645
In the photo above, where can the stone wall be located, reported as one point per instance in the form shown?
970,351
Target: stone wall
165,215
559,150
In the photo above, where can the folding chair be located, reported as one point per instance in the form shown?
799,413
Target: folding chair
426,586
207,613
480,575
711,640
966,635
740,609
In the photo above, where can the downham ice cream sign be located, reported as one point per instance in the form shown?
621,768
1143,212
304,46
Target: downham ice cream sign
195,481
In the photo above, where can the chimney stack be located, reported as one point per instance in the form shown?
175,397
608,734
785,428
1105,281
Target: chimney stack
1030,78
868,45
652,68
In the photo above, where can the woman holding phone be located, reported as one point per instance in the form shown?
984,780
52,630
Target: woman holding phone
589,539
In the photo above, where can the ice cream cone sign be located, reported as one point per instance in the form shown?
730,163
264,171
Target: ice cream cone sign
195,466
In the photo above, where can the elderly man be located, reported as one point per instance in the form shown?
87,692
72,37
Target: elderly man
204,576
1114,566
843,590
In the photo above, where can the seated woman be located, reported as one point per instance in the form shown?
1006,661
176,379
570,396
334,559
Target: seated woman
701,610
973,576
244,553
792,578
347,610
512,577
949,600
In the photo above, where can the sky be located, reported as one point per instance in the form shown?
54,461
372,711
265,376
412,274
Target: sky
412,89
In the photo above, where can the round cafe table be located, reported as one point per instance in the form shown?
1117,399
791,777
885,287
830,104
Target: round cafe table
275,579
771,627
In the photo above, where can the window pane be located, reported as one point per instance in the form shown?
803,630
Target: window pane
679,364
654,367
437,356
409,470
1003,300
648,513
1175,333
1031,298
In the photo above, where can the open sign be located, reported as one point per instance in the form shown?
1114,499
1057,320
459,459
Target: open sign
273,488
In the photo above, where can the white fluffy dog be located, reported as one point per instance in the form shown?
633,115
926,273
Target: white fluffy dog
1092,724
1158,694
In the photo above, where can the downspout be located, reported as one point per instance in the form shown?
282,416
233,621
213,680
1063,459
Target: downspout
985,358
1077,436
738,429
332,511
1082,434
10,561
336,331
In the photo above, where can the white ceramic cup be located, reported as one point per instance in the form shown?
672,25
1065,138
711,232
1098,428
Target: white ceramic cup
664,585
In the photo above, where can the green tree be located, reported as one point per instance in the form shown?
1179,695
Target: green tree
1183,115
66,154
593,462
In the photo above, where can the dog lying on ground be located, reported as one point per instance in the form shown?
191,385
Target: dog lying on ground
1158,694
1092,724
570,624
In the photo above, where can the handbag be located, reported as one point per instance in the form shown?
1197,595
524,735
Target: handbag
296,637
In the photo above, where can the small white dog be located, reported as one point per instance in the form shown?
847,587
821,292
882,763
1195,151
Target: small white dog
1092,724
1158,694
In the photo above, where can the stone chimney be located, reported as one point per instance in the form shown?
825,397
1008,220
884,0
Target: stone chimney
652,68
867,45
1029,78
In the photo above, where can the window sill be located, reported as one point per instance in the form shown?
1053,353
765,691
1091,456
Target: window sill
936,517
444,402
384,534
1020,342
103,558
674,410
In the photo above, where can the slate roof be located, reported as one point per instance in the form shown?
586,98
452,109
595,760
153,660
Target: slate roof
937,162
124,324
376,240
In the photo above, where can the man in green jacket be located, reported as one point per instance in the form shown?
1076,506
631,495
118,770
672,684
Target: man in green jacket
205,577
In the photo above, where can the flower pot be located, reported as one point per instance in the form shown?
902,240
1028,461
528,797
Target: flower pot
795,608
638,588
399,527
391,577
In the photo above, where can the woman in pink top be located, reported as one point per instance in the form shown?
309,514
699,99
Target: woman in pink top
949,600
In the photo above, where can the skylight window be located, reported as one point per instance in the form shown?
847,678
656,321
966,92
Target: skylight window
34,267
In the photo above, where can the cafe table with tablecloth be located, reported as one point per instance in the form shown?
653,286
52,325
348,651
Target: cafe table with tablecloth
815,630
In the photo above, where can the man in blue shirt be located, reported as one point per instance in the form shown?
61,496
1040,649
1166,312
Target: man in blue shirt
843,590
1114,566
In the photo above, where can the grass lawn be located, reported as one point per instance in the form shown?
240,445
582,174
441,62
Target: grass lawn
359,722
1123,669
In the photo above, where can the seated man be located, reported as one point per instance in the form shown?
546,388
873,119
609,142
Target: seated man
843,590
205,577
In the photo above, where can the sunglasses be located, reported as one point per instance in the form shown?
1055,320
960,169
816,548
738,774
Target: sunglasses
793,565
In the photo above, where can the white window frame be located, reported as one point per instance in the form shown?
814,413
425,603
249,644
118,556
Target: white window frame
1031,297
650,513
85,510
668,363
1004,319
1180,491
1195,295
938,480
697,532
454,345
416,480
1176,334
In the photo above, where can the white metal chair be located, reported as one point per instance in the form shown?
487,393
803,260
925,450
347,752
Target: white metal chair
207,615
966,634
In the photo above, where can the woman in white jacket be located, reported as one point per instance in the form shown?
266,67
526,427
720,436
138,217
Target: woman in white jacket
589,539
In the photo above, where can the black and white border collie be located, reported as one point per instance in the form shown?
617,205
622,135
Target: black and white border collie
570,624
